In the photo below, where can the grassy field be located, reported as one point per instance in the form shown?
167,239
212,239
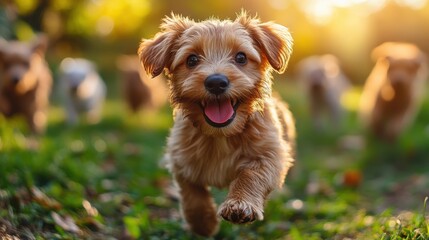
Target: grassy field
105,181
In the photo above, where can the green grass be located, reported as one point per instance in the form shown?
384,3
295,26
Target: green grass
105,181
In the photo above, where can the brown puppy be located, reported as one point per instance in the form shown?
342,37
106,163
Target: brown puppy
228,129
26,81
393,90
324,83
139,90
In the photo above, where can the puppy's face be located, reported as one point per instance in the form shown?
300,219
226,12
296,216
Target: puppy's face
317,71
219,70
402,72
18,61
403,62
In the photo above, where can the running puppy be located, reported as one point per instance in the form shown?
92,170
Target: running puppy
25,81
393,91
140,91
229,131
324,83
84,90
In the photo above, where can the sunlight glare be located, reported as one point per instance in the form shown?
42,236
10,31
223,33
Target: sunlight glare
415,4
321,11
347,3
278,4
105,25
351,98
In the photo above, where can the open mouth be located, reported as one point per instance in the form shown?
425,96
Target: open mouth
219,112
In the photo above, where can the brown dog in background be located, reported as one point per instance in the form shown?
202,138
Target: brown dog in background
324,83
393,91
26,81
139,90
229,131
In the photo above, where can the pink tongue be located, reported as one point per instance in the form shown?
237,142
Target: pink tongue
219,111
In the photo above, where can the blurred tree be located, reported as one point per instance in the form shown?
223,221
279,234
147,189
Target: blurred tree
105,28
7,18
398,23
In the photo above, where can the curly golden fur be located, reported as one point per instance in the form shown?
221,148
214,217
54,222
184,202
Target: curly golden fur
246,143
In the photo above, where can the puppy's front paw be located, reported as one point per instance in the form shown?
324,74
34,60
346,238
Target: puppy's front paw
239,211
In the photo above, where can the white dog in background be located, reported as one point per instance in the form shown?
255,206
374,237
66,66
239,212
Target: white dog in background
324,83
84,90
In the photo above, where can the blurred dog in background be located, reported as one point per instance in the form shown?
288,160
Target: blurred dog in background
139,90
392,93
25,81
324,83
84,90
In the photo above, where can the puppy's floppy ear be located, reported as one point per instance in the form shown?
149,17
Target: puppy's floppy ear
39,44
381,51
157,53
273,39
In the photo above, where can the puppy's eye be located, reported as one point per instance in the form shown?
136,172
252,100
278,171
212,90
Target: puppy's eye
192,61
241,58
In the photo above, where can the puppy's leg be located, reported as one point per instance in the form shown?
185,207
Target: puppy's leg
246,197
72,115
316,110
4,106
198,208
36,120
94,115
335,109
395,127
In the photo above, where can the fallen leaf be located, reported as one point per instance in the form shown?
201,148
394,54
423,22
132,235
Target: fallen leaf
352,178
67,223
43,200
92,211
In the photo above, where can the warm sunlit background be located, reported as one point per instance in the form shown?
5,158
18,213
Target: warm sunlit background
102,29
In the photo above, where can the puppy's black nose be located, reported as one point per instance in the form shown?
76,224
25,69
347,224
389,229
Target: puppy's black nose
73,89
15,79
216,83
